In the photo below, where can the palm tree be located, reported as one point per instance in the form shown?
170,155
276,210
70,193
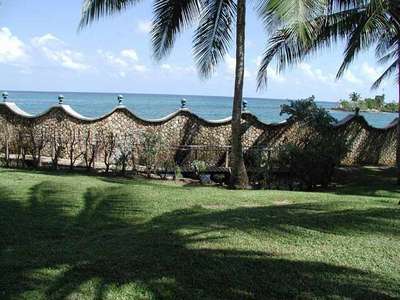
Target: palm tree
355,97
212,40
361,23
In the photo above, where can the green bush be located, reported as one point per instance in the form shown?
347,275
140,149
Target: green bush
199,166
312,160
313,163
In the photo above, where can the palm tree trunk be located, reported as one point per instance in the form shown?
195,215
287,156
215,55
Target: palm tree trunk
398,119
239,177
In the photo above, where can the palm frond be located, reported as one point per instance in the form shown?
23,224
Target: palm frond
299,13
285,49
372,23
93,10
389,56
387,43
170,18
289,47
214,34
386,74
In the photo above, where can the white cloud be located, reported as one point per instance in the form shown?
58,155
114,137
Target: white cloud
166,67
306,68
130,54
144,26
55,50
317,74
140,68
370,72
175,69
112,60
46,40
126,61
12,49
67,58
351,78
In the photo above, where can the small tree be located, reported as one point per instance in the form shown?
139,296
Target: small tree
7,135
23,145
39,140
355,97
73,147
91,147
124,151
109,146
153,145
58,145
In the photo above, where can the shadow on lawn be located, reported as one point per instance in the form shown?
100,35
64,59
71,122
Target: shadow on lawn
110,243
367,181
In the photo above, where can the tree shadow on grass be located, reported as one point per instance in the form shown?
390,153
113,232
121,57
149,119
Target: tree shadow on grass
112,242
367,181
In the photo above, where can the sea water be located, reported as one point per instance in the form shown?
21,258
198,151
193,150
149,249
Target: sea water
155,106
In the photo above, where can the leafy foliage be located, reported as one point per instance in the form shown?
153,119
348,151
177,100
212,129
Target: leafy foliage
170,18
360,23
214,34
199,166
307,111
92,10
313,159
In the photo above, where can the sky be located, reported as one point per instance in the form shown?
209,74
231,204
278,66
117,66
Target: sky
41,49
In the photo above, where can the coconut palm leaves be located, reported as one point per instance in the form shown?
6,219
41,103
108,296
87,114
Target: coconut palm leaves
361,23
92,10
170,18
214,34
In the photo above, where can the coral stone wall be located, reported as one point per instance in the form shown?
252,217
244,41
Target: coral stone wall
369,145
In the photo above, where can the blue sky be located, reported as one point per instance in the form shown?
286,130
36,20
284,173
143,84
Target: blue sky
41,49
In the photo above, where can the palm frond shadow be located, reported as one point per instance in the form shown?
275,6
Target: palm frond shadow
111,242
364,181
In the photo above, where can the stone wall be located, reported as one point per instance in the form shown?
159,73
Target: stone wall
61,124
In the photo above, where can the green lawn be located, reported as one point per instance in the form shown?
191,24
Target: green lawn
86,237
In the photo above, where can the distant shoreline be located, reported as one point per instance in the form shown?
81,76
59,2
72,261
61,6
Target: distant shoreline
372,110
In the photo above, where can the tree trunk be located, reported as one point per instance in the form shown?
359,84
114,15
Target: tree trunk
398,120
239,177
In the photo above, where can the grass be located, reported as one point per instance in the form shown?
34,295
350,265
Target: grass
86,237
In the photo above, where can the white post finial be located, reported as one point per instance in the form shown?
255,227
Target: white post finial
120,99
244,105
5,96
60,99
183,103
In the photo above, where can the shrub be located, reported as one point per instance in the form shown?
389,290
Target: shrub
312,160
309,113
199,166
257,166
314,163
168,167
178,172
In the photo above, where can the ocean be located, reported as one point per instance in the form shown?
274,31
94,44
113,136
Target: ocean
157,106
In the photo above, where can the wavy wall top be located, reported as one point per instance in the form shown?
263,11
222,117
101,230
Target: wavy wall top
248,116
